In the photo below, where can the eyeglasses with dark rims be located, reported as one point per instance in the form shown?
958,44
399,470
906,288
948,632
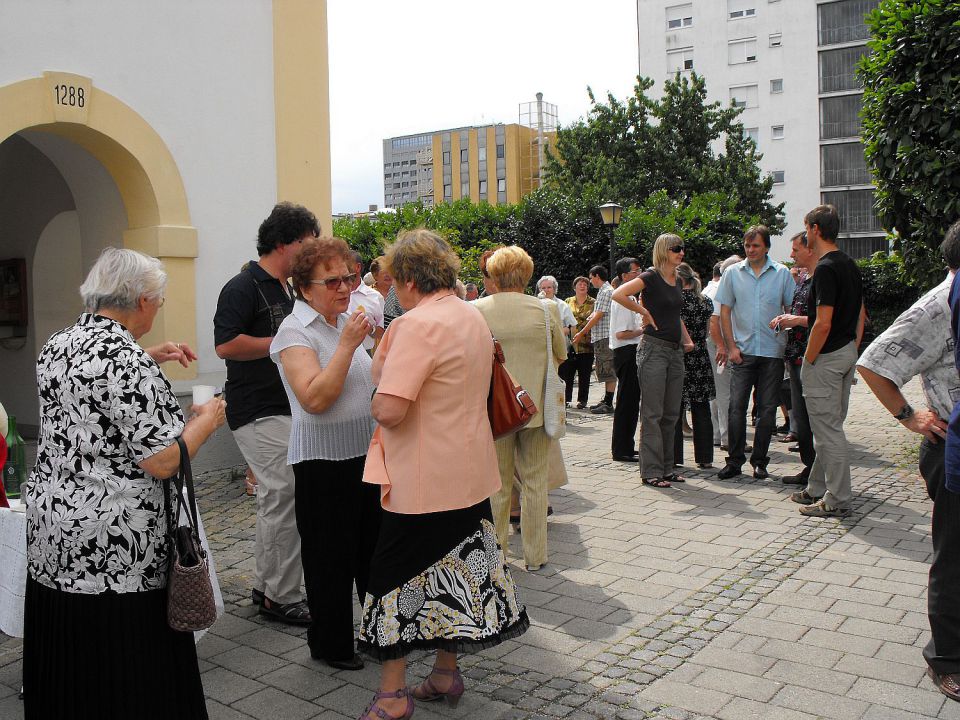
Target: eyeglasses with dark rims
333,283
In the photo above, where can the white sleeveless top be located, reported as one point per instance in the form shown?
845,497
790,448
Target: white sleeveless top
343,430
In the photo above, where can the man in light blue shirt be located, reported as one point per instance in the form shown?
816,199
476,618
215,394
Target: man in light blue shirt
751,294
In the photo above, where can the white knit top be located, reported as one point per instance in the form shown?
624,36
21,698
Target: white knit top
343,430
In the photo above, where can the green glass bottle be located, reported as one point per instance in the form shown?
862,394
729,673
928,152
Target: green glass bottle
15,469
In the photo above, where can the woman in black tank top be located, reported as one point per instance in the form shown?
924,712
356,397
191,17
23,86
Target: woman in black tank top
659,357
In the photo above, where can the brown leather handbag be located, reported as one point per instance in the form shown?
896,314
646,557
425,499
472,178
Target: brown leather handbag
190,602
509,406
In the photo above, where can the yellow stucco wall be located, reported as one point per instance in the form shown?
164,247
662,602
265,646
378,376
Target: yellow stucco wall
302,105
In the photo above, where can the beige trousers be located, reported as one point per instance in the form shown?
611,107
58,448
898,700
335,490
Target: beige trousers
526,451
276,549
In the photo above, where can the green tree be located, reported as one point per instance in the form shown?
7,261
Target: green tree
629,151
911,128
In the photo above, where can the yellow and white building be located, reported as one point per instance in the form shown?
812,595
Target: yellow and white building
169,127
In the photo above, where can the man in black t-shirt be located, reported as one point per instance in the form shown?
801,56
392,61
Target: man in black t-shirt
250,309
835,318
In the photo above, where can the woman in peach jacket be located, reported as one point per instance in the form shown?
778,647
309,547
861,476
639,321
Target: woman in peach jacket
438,578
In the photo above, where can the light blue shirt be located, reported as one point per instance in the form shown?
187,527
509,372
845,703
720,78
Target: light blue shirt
754,302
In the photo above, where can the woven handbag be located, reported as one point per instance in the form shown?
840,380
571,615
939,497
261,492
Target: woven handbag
190,602
509,406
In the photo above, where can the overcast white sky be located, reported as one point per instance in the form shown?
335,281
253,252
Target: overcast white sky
398,68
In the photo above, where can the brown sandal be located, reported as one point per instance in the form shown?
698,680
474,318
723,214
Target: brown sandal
656,482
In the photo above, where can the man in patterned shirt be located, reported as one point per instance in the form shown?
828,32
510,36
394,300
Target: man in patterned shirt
599,328
795,324
920,342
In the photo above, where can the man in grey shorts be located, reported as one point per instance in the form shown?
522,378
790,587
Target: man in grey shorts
598,325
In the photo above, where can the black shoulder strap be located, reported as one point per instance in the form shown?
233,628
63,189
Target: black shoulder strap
181,479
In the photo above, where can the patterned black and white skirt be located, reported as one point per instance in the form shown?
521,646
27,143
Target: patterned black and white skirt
439,581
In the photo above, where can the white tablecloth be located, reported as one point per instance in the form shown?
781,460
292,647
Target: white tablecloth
13,571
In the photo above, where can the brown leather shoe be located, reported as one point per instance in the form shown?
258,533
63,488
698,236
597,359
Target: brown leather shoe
948,684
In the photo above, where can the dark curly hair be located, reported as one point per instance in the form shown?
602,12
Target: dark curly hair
317,251
286,224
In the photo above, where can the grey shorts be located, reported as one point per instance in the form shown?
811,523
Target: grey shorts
603,361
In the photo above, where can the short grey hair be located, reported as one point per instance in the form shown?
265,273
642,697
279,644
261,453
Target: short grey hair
120,277
732,260
549,278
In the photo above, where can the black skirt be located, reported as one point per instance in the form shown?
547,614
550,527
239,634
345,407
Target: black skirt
106,656
439,581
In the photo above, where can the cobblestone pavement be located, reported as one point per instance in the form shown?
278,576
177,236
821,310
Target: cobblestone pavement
713,599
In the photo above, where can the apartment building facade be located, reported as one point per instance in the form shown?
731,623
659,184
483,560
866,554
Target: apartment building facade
791,66
497,163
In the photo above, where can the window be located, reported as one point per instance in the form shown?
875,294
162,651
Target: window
776,85
742,51
483,188
776,39
679,16
447,191
737,9
753,134
840,116
778,177
838,69
501,185
446,157
776,132
744,96
841,22
465,189
483,154
843,164
855,208
501,151
679,60
464,155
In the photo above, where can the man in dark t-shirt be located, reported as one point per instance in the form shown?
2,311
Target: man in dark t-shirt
251,307
835,318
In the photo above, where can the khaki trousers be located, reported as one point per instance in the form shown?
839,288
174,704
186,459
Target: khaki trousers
826,389
527,452
276,549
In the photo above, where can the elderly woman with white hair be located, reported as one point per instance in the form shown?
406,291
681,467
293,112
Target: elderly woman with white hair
547,287
96,640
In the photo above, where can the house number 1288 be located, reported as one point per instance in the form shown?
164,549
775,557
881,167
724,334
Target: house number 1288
69,95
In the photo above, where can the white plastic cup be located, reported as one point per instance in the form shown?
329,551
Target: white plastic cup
202,394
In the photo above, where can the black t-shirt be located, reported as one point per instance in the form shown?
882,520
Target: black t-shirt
664,302
837,283
252,303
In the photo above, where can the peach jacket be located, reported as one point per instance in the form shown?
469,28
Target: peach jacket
441,455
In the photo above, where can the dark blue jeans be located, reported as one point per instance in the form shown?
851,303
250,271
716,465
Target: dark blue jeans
766,374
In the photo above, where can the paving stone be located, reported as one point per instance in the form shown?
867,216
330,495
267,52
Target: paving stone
227,687
702,700
270,704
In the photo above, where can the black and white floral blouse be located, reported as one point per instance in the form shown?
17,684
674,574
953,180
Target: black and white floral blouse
95,520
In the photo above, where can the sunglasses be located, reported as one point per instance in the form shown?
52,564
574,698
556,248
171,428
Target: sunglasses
676,249
334,283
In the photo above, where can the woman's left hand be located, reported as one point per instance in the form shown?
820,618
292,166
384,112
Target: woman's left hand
165,352
213,411
355,330
688,346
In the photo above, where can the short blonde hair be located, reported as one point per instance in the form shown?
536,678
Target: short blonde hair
425,258
511,268
661,249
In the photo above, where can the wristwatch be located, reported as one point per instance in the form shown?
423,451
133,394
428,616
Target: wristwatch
906,412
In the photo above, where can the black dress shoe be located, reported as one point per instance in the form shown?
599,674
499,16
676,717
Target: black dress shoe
728,471
760,472
798,479
625,458
354,663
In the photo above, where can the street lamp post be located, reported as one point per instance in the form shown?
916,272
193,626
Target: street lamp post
610,213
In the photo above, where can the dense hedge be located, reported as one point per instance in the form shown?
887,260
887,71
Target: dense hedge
886,290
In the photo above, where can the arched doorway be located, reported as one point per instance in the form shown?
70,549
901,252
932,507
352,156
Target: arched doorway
80,170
